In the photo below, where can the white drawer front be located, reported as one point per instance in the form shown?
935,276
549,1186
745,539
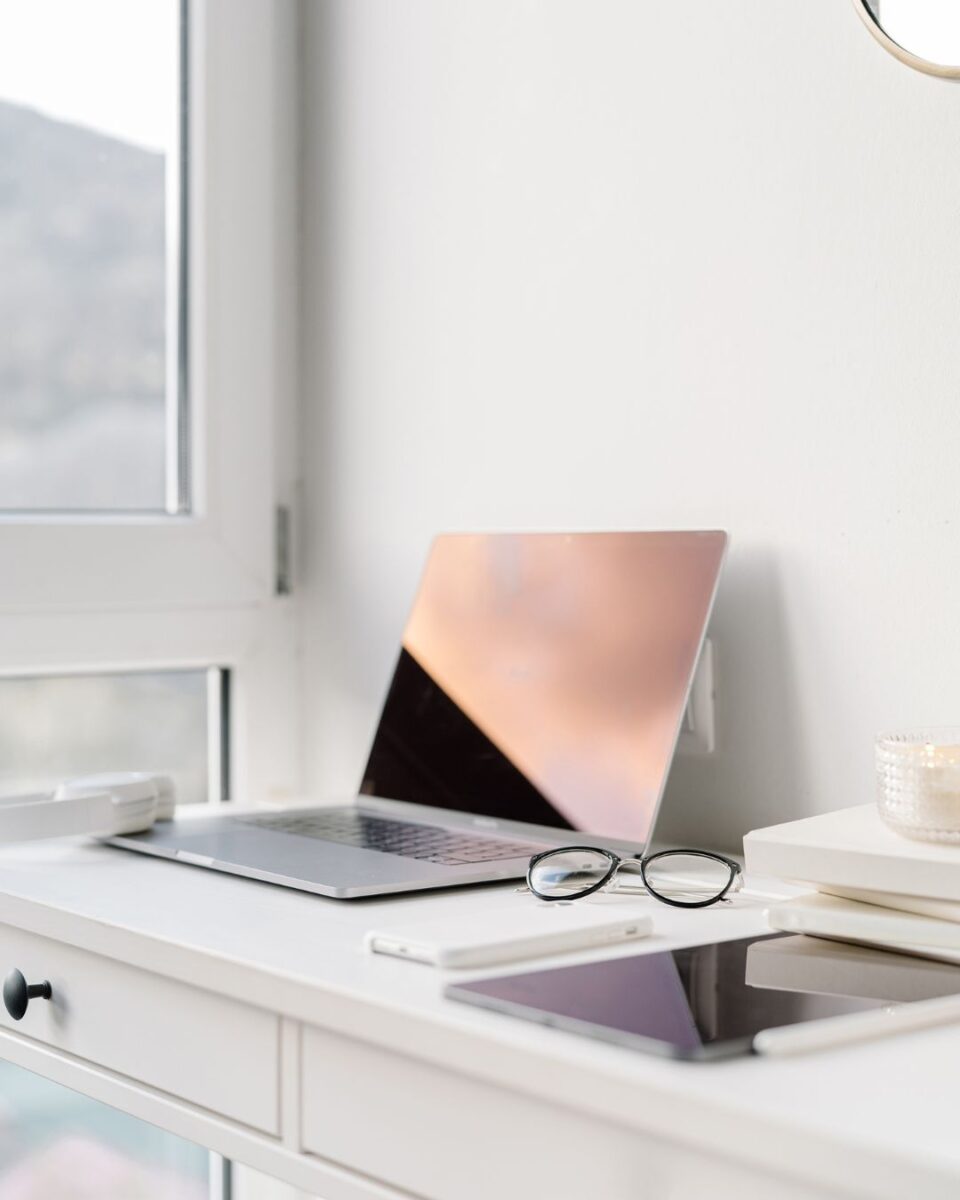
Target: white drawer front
435,1133
197,1046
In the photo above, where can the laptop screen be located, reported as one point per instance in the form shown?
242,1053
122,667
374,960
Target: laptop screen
543,677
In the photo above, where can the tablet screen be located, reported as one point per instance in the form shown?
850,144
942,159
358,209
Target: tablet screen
712,1000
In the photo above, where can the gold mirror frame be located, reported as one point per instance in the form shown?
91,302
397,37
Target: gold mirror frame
905,56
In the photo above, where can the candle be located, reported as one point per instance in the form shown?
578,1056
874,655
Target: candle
918,783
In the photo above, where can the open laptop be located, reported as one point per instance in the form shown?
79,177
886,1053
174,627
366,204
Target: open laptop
537,700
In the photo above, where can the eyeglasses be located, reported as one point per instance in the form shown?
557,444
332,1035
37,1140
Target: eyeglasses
683,878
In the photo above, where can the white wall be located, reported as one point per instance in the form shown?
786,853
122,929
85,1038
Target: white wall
625,264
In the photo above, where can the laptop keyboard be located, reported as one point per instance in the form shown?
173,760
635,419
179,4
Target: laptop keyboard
350,827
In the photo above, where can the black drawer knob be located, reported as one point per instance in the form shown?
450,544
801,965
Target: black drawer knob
17,994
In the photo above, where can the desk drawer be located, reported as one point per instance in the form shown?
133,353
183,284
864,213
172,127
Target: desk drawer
432,1132
193,1044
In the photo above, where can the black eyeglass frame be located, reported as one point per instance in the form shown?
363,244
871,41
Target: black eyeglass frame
640,862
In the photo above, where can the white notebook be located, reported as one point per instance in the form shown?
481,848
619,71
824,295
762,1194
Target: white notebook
853,849
943,910
849,921
815,964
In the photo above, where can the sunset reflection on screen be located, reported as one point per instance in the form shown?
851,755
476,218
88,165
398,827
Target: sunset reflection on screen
571,656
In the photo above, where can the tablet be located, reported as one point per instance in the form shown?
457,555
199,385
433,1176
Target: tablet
728,998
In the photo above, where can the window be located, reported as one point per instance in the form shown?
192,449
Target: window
137,531
51,728
54,727
93,244
56,1143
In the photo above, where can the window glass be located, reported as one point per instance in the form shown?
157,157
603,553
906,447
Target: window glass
55,727
55,1143
89,254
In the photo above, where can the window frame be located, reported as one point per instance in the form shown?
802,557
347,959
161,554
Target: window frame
129,591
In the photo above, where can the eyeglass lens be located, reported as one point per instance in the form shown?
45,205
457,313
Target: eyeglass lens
568,872
686,878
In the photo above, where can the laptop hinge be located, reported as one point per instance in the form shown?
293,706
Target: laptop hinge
698,734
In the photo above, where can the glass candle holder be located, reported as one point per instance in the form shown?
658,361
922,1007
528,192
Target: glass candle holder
918,783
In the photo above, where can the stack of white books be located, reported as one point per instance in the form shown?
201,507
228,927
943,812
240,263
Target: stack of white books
871,885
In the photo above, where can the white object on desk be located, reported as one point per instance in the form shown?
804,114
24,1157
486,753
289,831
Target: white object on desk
847,920
853,848
923,906
96,806
858,1027
525,928
134,793
918,783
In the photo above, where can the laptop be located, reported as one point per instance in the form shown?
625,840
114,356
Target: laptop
536,701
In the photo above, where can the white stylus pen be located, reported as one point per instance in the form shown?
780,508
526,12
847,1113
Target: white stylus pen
858,1027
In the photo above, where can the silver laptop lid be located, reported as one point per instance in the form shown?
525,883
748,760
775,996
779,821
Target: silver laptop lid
543,678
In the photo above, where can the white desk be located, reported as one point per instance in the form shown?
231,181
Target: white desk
249,1019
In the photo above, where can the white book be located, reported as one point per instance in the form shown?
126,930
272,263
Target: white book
823,916
942,910
853,849
832,968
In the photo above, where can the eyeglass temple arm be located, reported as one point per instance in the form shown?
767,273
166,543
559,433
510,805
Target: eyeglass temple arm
633,864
